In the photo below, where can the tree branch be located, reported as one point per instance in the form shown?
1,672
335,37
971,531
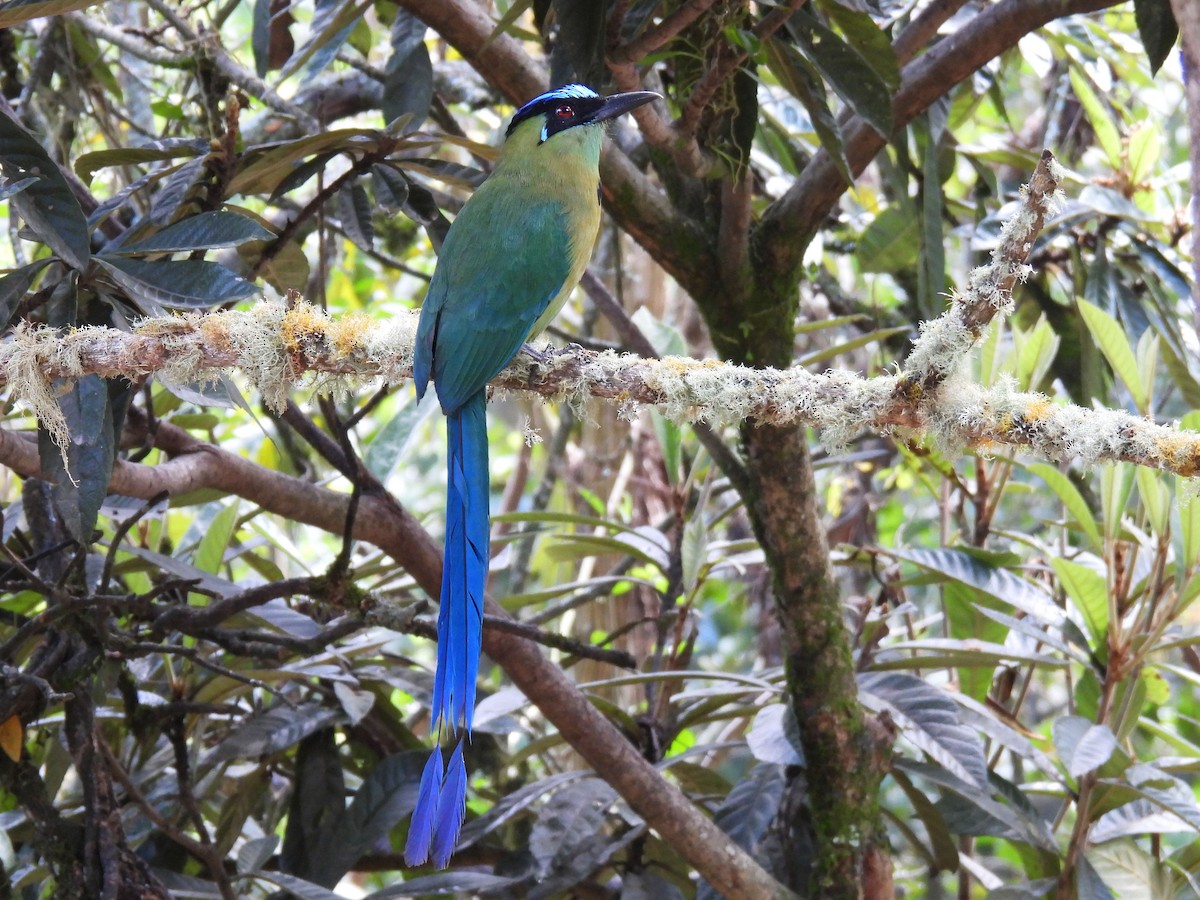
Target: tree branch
790,222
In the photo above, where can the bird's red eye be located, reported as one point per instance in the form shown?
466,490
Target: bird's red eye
565,112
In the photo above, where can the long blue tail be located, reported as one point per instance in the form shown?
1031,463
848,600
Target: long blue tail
441,800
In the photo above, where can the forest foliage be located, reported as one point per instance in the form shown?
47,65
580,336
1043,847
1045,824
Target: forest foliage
215,633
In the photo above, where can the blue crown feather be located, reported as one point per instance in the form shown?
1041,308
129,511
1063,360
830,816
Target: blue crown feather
542,102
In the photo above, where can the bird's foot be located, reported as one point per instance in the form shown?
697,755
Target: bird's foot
541,357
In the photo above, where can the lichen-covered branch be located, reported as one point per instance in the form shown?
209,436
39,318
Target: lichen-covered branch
945,342
279,349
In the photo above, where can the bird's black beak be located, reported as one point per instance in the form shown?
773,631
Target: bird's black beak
619,104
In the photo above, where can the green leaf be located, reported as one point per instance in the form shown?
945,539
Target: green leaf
1035,354
354,211
775,736
1082,746
1156,498
1188,511
965,610
751,806
1158,28
14,12
853,76
276,729
1103,123
48,205
1080,513
385,797
1116,486
179,284
15,285
1115,347
693,551
879,335
890,243
408,77
1088,593
87,164
94,410
1003,585
210,554
803,82
943,849
1145,150
390,444
929,719
867,38
203,231
1124,870
331,24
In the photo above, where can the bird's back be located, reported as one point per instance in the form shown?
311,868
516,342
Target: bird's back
515,252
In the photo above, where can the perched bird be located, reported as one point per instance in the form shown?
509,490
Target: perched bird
507,265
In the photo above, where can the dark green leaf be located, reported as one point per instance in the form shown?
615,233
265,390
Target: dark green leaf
1008,820
1081,745
9,188
578,54
331,24
87,164
748,811
385,797
928,719
175,190
15,285
354,209
203,231
775,736
648,885
178,284
890,243
94,410
390,187
318,798
513,803
276,729
408,78
853,77
1158,28
1002,584
47,205
867,39
260,36
296,887
801,80
576,812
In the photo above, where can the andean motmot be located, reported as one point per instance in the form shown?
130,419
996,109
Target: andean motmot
509,261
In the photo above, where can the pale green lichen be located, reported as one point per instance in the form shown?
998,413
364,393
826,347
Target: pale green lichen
22,359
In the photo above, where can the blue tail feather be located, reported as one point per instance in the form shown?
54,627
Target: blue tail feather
464,566
451,809
421,829
441,800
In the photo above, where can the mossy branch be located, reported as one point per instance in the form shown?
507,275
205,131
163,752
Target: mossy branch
279,349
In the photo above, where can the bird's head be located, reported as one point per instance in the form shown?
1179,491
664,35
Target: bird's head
572,110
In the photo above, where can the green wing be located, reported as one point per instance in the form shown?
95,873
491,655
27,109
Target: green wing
503,261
